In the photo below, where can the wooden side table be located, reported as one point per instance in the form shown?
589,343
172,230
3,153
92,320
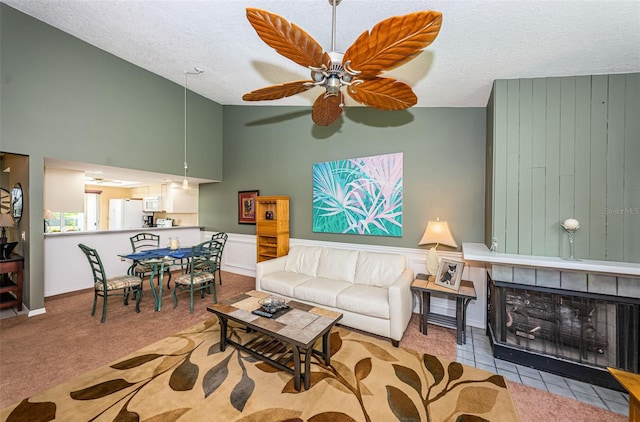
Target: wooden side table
467,292
10,290
631,382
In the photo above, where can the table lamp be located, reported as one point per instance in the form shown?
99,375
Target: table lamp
437,232
48,215
5,221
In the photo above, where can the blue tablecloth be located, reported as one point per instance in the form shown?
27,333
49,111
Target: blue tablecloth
159,254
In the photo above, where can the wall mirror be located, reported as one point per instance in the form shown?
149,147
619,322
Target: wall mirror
16,202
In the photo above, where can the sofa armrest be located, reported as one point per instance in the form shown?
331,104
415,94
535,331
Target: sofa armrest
267,267
400,304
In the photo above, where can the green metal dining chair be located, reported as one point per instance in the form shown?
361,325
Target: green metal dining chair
122,285
200,274
142,242
221,238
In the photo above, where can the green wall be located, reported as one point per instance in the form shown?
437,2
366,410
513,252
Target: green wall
563,148
63,98
272,149
69,100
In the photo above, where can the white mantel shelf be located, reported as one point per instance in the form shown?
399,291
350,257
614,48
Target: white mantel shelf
480,252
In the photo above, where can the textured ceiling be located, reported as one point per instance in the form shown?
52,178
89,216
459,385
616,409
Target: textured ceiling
480,41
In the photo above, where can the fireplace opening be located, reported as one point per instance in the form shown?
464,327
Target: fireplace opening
573,334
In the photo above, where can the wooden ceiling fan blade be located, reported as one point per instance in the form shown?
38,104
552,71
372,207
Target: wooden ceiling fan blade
327,108
275,92
384,94
287,38
393,42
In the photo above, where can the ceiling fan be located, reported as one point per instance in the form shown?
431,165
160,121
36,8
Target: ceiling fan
390,43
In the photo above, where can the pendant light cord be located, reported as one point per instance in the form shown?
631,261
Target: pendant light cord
185,126
185,183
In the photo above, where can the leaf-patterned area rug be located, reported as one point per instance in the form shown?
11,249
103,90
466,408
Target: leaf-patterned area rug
185,377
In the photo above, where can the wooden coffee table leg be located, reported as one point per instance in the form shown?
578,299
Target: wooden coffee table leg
223,333
296,367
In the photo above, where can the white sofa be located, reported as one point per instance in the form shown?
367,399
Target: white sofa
371,290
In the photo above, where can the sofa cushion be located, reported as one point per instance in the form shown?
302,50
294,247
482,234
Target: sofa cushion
365,300
303,260
338,264
282,282
379,269
322,291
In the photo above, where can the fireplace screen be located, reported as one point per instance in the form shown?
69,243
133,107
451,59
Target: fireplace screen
587,329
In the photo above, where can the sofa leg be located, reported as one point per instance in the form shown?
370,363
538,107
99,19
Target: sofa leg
395,343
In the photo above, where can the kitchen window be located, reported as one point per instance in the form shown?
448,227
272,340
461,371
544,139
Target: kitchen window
65,222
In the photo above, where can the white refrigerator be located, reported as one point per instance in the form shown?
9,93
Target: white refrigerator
125,214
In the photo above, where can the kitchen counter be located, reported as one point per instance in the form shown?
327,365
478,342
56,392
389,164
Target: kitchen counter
136,230
66,268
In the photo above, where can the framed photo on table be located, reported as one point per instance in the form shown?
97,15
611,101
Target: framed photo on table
247,206
449,274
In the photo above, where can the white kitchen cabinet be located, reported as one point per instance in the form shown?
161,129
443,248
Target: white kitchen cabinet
155,190
178,200
139,192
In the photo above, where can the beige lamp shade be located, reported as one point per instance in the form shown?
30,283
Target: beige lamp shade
6,220
48,215
437,232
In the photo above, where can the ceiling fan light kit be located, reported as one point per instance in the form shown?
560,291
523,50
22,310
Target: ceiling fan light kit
390,43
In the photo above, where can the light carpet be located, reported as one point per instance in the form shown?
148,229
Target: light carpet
185,377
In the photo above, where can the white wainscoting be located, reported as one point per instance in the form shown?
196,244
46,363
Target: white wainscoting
239,257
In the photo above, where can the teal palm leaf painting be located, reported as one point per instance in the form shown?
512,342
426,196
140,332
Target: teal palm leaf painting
359,196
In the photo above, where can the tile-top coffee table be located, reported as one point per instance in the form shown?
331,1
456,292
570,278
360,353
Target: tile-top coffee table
280,339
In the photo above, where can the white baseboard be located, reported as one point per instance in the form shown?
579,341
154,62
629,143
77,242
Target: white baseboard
35,312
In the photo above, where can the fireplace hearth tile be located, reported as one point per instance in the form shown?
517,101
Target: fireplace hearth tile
506,366
595,401
529,372
511,376
548,278
533,382
502,273
602,284
581,387
628,287
573,281
524,276
554,379
608,395
560,390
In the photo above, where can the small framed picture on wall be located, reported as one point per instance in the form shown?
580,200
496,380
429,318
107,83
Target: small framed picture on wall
449,274
247,206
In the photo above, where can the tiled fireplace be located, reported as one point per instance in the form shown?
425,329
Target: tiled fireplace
572,323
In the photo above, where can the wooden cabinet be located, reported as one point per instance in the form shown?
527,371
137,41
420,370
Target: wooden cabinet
631,382
272,227
11,282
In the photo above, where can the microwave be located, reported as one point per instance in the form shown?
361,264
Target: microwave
151,203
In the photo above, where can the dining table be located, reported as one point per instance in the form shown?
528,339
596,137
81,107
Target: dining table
162,259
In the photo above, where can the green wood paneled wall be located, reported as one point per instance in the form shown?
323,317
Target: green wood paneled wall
563,148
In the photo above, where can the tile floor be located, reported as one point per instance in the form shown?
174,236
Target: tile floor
477,352
10,312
